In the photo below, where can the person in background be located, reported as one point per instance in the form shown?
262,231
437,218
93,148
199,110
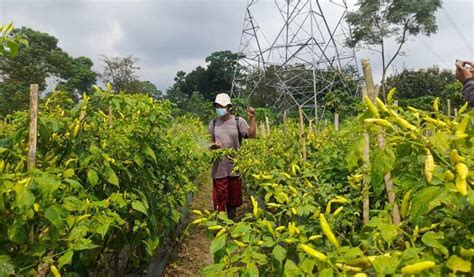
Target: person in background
465,75
227,131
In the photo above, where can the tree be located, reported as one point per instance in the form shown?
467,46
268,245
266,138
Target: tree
215,78
144,87
43,60
376,21
418,88
80,78
120,71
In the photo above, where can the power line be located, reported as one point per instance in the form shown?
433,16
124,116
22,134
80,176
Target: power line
430,49
465,40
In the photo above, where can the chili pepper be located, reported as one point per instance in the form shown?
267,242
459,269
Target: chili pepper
327,230
371,107
417,267
313,252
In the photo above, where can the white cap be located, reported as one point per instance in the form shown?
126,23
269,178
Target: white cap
223,99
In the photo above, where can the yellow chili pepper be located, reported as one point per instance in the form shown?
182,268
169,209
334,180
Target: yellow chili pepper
455,157
327,230
417,267
313,252
381,105
429,166
405,204
371,107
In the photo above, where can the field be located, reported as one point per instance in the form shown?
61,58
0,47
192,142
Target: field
114,174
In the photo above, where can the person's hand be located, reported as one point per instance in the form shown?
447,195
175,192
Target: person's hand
251,112
217,145
463,73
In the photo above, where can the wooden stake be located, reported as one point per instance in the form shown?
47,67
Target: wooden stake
267,124
302,133
336,121
455,112
33,136
365,189
371,91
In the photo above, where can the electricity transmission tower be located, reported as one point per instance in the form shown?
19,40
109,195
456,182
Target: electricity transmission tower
293,52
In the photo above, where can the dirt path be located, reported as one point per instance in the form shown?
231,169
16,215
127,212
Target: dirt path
193,254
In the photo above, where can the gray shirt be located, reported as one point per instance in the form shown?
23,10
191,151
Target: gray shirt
468,91
226,132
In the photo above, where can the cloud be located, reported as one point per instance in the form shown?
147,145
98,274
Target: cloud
170,35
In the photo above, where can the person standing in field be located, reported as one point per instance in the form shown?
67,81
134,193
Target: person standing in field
227,131
465,75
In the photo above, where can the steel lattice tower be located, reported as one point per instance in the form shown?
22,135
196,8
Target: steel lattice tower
299,56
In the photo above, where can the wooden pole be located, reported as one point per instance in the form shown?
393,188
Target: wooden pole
336,121
267,124
33,135
372,92
455,112
302,133
449,106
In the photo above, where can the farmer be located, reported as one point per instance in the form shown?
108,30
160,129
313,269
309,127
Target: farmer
465,75
227,131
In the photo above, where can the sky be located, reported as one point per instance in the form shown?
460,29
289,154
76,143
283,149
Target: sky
171,35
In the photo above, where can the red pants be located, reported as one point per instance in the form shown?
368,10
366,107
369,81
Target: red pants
227,193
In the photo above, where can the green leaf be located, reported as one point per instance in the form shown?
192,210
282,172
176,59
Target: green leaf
431,239
69,173
386,265
383,162
92,177
279,253
47,184
217,244
53,214
111,176
6,266
150,152
138,206
457,264
65,259
103,229
291,269
83,244
24,197
72,204
17,232
252,270
356,153
327,272
420,203
389,232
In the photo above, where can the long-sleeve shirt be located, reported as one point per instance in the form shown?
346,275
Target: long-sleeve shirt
468,91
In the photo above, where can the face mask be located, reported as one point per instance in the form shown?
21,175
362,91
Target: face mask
221,111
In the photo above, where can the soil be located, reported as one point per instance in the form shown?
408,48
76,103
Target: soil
194,252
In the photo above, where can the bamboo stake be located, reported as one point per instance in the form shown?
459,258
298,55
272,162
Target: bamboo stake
336,121
372,94
267,124
455,112
365,189
33,132
302,133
